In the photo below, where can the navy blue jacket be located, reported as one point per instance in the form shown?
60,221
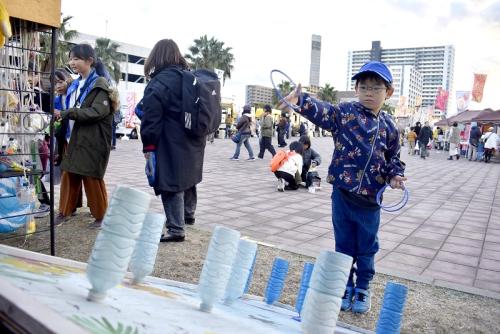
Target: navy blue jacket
366,154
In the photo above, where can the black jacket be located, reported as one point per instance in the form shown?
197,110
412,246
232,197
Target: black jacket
179,156
425,135
475,135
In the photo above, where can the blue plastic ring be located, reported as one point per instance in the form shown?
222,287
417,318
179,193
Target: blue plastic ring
278,93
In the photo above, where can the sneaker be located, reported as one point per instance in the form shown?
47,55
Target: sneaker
347,299
189,221
96,224
281,184
362,301
43,211
59,219
251,159
234,158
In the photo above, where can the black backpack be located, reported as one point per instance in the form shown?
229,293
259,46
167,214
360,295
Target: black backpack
201,102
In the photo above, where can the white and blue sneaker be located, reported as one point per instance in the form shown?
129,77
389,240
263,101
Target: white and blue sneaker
362,301
347,299
281,184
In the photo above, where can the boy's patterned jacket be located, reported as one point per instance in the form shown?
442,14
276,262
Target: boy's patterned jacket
366,154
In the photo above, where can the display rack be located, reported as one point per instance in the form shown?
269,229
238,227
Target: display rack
25,115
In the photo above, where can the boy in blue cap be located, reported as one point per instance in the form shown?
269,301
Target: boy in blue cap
366,157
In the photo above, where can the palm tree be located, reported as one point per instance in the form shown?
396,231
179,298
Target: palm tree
107,51
388,108
328,94
64,37
285,88
211,54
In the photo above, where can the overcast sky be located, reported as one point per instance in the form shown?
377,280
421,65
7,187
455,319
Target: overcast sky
277,34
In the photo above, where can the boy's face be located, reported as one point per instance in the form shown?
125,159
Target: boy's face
373,93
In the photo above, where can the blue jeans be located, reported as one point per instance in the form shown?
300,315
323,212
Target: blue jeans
355,229
179,206
245,140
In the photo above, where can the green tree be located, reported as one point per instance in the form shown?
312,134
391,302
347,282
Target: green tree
388,108
328,94
63,46
107,51
285,88
211,53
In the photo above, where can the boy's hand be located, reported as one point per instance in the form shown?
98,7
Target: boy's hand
292,98
397,182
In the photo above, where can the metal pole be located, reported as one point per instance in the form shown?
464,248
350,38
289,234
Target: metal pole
51,148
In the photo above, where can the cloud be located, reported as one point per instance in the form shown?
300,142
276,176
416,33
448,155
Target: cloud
492,14
416,7
459,10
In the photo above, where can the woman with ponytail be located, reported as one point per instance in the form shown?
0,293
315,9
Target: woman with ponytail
90,103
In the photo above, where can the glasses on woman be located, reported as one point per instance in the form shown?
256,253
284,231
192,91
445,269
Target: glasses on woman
375,89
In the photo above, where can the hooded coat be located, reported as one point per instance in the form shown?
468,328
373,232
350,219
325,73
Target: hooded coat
90,142
179,156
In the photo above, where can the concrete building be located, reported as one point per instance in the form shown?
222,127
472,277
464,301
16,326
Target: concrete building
435,64
258,94
314,70
407,83
133,65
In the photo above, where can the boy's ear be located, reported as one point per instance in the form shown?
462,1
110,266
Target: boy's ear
390,91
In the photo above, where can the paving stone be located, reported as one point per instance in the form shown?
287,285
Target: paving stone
382,235
468,234
417,251
317,231
464,241
429,235
396,229
491,286
490,264
452,268
461,249
488,275
466,260
423,242
406,259
448,277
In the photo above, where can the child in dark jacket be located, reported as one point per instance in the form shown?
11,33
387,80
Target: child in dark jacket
311,158
366,157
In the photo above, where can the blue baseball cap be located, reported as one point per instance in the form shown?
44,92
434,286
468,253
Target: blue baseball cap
376,67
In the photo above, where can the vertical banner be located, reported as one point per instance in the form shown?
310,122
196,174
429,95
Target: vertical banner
131,102
477,89
441,99
463,98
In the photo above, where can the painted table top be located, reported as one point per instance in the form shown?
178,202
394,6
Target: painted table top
155,306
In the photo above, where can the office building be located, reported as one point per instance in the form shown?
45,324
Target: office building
434,63
255,94
407,84
315,60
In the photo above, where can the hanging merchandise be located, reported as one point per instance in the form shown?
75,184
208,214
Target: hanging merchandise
26,128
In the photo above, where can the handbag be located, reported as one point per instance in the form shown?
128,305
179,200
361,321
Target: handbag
236,137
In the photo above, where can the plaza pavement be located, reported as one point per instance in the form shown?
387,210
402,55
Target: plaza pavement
448,234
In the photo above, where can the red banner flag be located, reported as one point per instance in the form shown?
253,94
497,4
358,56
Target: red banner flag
477,89
441,99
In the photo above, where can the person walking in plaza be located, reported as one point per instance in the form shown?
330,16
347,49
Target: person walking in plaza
229,124
267,133
90,103
412,138
281,129
474,136
310,157
365,159
288,174
491,143
454,139
179,156
424,138
244,128
418,127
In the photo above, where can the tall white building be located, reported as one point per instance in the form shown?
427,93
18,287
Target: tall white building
258,94
435,64
315,60
407,84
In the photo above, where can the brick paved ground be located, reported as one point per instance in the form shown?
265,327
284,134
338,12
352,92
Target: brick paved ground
448,234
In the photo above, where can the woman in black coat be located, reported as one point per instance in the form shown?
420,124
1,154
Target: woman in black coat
179,156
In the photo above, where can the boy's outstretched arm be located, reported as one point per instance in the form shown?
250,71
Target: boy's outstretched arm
322,114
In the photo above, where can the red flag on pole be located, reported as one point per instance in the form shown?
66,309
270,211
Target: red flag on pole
477,89
441,99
